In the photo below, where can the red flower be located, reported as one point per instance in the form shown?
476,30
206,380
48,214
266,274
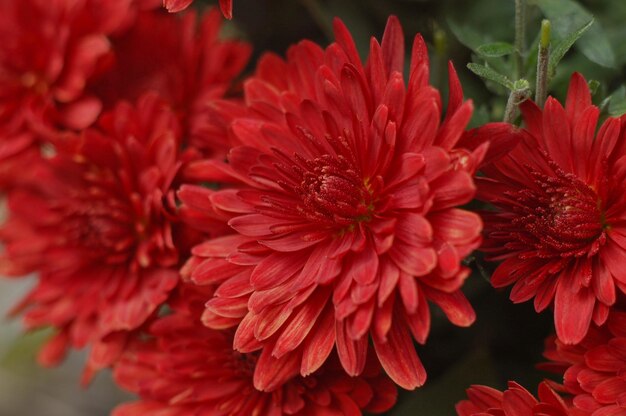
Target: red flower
48,52
94,224
184,61
559,224
515,401
345,210
174,6
593,371
190,369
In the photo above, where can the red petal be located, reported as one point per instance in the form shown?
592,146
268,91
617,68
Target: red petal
603,285
455,305
518,402
502,138
352,353
364,266
455,95
300,324
572,311
275,269
344,39
419,322
609,390
174,6
458,227
578,96
601,358
295,241
271,373
398,357
319,344
226,6
383,317
393,46
452,189
408,293
451,131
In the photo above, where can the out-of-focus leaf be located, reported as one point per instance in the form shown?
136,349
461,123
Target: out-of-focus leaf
593,86
496,49
480,117
566,17
491,75
467,35
617,103
23,350
561,48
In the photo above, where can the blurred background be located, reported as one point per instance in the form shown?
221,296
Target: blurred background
506,341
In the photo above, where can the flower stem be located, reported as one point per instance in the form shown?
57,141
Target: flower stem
517,96
520,36
543,58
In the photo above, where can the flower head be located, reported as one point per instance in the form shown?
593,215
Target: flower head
593,370
346,187
187,368
95,225
516,400
560,205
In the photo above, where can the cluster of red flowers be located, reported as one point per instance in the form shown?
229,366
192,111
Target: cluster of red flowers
278,251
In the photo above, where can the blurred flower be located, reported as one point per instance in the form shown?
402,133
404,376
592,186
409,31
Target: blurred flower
180,58
174,6
515,401
559,224
593,370
188,369
62,63
95,225
48,52
346,188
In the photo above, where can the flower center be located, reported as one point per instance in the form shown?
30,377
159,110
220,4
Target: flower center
101,221
562,216
334,193
244,363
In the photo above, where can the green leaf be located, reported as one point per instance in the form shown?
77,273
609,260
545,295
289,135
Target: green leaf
617,103
561,48
491,75
496,49
568,16
593,86
468,36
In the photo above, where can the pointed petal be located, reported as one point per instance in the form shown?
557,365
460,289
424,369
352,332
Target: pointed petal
398,357
572,311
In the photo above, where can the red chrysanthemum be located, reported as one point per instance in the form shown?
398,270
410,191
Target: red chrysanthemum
95,225
181,58
48,52
345,208
593,371
515,401
560,222
174,6
189,369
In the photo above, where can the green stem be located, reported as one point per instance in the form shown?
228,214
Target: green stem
543,58
517,96
520,36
